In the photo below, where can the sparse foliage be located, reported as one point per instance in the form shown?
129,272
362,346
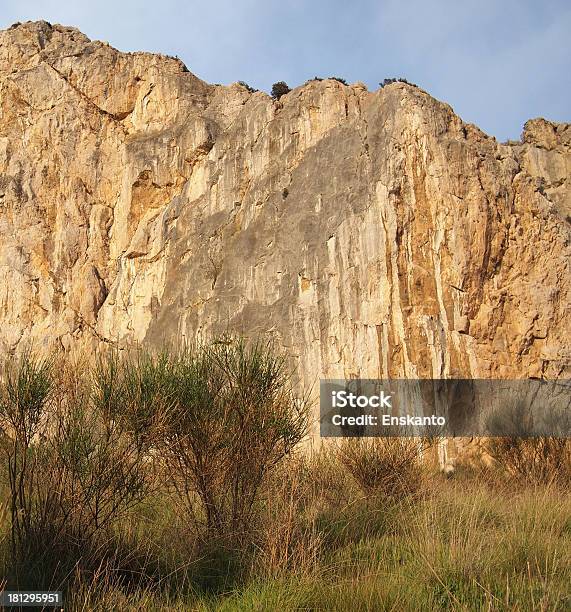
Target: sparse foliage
249,88
158,480
386,82
540,460
26,395
74,468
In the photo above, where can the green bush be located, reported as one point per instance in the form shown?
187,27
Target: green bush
249,88
171,481
236,417
74,468
395,80
279,89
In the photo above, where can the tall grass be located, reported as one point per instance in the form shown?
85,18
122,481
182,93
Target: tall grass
533,460
173,482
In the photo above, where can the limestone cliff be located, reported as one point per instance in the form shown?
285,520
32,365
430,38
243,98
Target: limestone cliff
374,234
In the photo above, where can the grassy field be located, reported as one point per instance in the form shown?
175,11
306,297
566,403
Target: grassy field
122,509
465,543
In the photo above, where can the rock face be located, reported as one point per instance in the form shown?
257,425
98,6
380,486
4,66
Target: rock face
373,234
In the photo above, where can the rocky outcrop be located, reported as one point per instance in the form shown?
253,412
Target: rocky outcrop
374,234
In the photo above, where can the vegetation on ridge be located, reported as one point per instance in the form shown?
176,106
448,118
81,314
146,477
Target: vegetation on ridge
279,89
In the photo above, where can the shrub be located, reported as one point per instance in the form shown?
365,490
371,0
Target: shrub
386,467
136,390
395,80
280,89
249,88
83,447
541,460
339,80
74,470
520,453
26,394
236,417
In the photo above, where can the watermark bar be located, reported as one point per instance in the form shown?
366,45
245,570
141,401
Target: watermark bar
445,407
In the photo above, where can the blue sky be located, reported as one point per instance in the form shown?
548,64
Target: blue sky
496,62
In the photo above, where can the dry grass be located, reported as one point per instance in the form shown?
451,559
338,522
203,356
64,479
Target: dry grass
533,460
386,467
322,544
361,526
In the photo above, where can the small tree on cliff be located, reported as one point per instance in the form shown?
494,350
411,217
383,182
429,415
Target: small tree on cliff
279,89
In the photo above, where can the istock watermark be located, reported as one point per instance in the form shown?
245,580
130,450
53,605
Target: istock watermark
342,399
347,399
445,407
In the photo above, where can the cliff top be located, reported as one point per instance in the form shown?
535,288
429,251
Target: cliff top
24,46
